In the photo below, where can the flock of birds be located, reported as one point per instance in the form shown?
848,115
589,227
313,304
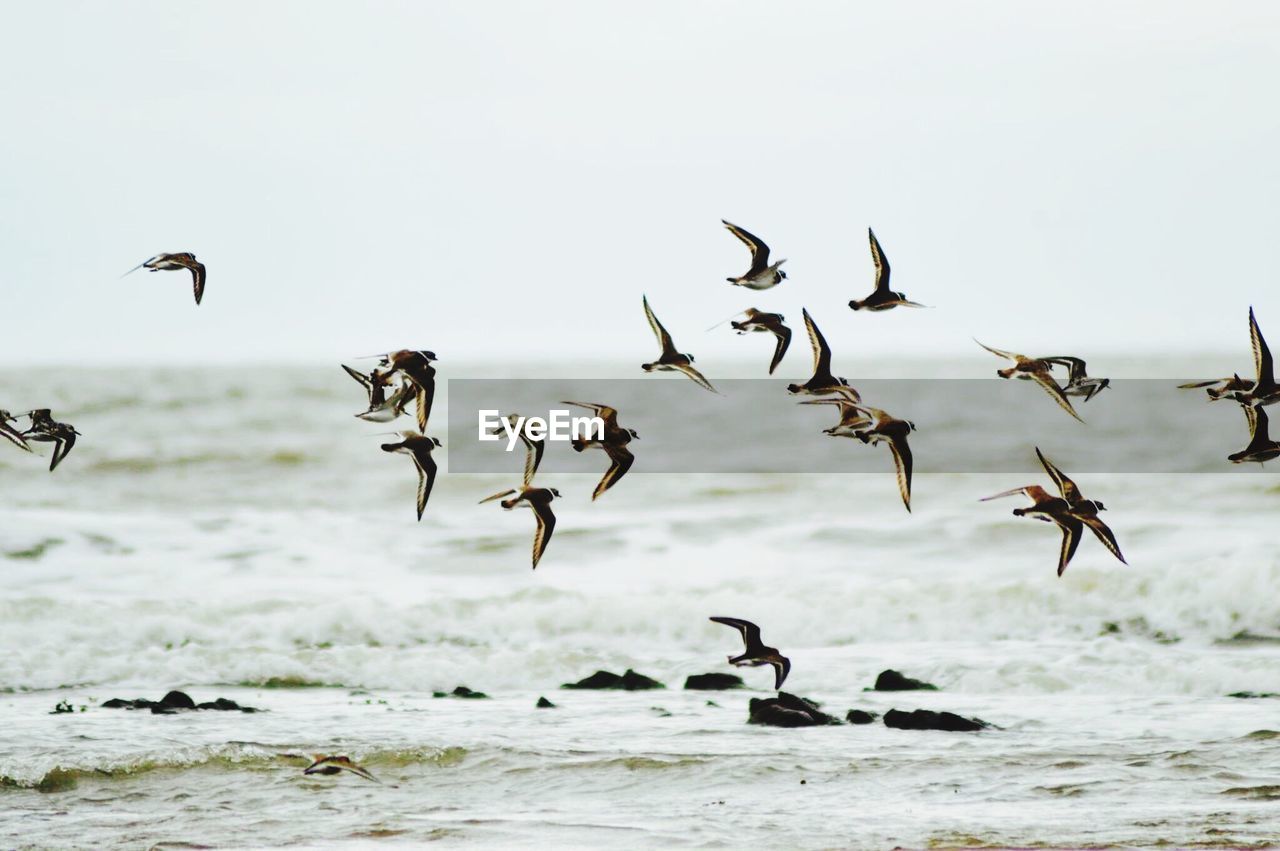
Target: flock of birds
407,376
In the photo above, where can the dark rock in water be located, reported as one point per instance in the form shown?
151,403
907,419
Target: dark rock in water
891,680
543,703
177,700
464,692
630,681
860,716
713,682
787,710
1253,695
174,701
925,719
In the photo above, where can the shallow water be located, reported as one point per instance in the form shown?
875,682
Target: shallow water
218,531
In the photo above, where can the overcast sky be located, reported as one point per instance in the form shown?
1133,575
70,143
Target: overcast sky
505,179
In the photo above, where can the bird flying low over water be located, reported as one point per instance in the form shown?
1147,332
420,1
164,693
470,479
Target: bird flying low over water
761,276
670,360
852,420
1084,510
419,447
336,765
1078,381
45,429
893,431
1052,509
10,433
538,499
1218,388
1264,390
534,447
756,652
1033,369
173,262
767,322
823,383
881,297
416,367
1261,447
382,408
614,443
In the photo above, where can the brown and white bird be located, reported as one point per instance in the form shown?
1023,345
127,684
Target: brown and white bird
416,367
331,765
761,275
1052,509
881,298
1084,510
535,447
538,499
1261,447
173,262
670,360
10,433
759,321
823,383
418,447
1264,390
45,429
757,652
383,407
1038,370
852,420
1078,381
613,441
893,432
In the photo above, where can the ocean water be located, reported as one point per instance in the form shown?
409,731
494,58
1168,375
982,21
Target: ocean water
237,533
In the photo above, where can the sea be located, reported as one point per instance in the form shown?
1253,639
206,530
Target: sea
235,532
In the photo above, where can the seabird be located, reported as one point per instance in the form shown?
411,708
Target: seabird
823,383
45,429
757,653
1219,387
539,499
670,360
614,443
1033,369
534,448
893,431
336,765
881,298
761,276
768,322
1084,510
1078,381
416,366
173,262
1261,447
420,448
11,434
852,419
1264,390
382,408
1051,509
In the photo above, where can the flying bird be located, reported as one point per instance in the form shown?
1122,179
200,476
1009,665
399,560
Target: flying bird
419,447
538,499
881,297
1084,510
336,765
852,419
613,441
383,408
894,432
823,383
10,433
761,276
45,429
1051,509
534,448
758,321
1038,370
756,652
1078,381
1261,447
416,367
173,262
1264,390
670,360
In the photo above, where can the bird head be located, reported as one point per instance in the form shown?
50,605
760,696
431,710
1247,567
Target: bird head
633,433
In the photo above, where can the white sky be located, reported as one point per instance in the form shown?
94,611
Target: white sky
505,179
